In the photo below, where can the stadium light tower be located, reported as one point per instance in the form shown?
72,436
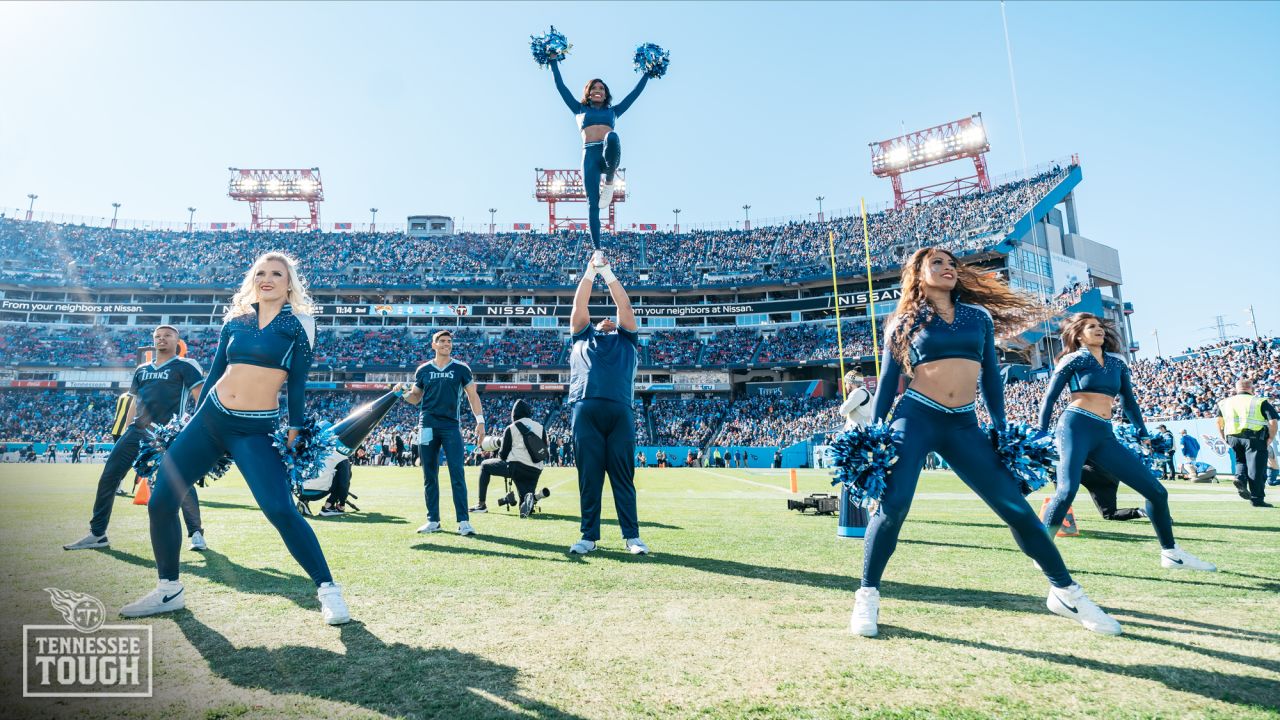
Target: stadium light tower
746,212
256,186
31,207
373,219
191,216
115,210
958,140
820,199
559,186
677,212
492,211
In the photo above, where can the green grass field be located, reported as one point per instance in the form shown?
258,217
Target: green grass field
741,610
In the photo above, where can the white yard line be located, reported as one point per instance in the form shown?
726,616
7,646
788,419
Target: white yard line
744,480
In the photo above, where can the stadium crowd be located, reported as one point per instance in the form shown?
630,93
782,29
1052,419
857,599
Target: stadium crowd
1167,389
76,255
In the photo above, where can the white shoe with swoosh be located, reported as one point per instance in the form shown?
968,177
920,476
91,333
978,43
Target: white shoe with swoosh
168,596
1071,602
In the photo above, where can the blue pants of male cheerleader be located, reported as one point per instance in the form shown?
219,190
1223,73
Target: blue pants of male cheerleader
599,158
246,435
1084,436
118,465
921,426
604,440
450,439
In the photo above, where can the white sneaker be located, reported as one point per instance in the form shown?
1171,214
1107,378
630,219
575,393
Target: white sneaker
1071,602
582,547
465,529
88,542
197,541
1179,559
866,613
636,546
167,597
606,193
332,606
430,527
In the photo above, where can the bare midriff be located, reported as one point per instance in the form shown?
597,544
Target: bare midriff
951,382
250,387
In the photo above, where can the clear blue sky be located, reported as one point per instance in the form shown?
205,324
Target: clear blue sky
438,108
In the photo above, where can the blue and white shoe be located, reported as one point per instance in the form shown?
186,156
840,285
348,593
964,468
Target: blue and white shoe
88,542
1071,602
168,596
582,547
1179,559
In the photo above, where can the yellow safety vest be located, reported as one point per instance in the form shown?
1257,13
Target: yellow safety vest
1242,413
124,411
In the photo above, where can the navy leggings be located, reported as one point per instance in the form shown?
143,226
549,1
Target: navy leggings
921,426
599,158
431,441
1084,436
246,435
604,440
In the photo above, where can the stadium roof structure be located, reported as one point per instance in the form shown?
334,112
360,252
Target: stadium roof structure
256,186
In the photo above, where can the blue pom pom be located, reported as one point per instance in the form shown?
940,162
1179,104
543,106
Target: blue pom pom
1127,435
1161,444
549,47
155,445
306,460
652,60
862,457
1027,453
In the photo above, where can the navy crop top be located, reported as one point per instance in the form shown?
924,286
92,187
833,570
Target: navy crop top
970,336
589,114
1080,372
284,344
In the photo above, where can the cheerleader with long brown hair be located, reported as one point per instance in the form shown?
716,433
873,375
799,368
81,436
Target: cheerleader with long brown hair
1095,372
942,341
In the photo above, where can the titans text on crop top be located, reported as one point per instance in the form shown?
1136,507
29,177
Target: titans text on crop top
1080,371
971,335
284,344
589,114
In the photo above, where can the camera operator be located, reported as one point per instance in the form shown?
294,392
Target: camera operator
516,458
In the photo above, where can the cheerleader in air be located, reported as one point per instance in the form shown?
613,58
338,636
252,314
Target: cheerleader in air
942,339
597,115
1091,367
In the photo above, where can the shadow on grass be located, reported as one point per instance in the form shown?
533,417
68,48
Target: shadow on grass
966,597
1183,577
603,521
205,503
393,679
1233,688
219,569
362,516
1217,526
457,550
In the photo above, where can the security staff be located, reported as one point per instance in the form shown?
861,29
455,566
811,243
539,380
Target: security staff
1247,424
602,374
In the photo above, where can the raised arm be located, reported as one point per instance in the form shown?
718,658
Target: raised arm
992,383
1057,384
631,97
219,365
1132,409
626,315
569,100
580,318
890,375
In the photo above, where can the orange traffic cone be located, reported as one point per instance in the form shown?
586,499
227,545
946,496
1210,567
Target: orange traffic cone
143,493
1069,527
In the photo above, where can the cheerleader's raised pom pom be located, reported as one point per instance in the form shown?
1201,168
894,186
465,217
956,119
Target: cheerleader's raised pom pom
652,61
862,457
549,48
306,459
155,445
1027,453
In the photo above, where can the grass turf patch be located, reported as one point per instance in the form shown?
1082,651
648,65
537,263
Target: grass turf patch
741,610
